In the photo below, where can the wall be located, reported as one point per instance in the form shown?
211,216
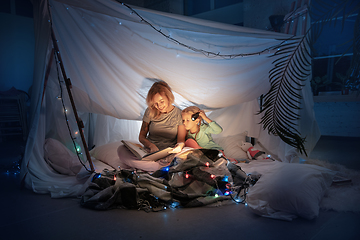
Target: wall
338,115
257,13
171,6
17,52
230,14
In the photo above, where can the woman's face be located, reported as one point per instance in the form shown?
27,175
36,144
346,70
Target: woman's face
161,103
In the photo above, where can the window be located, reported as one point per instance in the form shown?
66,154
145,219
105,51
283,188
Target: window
329,68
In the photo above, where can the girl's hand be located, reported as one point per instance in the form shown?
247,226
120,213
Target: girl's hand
203,116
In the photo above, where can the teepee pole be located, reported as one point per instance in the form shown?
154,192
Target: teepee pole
79,122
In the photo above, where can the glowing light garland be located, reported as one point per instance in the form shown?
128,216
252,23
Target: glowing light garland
206,53
76,145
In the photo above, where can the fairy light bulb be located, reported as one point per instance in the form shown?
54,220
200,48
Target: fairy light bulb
207,164
212,176
187,175
76,147
225,178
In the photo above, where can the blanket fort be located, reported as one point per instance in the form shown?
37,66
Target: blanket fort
112,58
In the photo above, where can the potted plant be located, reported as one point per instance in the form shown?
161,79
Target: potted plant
344,83
319,82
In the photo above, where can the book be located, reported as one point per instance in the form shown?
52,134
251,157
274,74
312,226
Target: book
142,153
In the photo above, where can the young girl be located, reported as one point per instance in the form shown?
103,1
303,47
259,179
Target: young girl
198,133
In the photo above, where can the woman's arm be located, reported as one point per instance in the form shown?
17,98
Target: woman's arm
142,137
181,134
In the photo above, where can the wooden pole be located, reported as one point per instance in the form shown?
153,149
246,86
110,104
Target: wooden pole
79,122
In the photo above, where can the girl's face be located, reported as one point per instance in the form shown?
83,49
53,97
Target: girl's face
161,103
188,123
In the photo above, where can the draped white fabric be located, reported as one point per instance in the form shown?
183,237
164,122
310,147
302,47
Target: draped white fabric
112,59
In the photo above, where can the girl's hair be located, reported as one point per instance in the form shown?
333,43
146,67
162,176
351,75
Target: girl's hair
163,89
192,110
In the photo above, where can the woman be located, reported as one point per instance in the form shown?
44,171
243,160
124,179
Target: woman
162,125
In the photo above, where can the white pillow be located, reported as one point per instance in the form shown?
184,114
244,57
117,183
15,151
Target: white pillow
107,153
288,190
60,158
231,145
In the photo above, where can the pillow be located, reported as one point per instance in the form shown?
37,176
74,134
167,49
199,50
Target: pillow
60,158
231,145
288,190
107,153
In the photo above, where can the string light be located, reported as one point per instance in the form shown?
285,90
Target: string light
206,53
76,146
225,179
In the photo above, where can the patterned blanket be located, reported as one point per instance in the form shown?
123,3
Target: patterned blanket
194,178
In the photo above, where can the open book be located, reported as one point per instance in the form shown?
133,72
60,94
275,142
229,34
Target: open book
142,154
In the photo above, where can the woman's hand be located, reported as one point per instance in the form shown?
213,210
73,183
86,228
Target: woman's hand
153,148
142,138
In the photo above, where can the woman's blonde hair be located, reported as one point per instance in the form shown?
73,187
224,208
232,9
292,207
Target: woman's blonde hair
192,110
163,89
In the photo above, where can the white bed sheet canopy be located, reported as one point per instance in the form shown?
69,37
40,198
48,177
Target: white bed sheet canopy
113,56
